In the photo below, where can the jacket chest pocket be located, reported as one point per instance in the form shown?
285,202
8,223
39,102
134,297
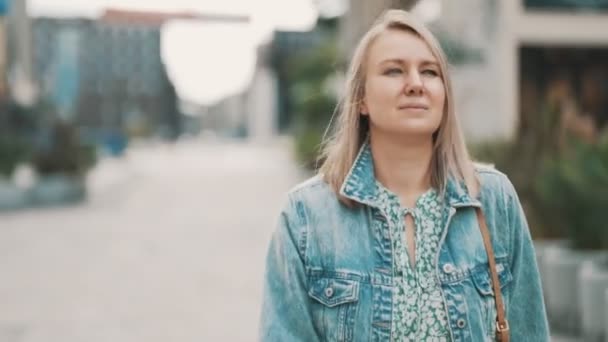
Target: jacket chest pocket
334,307
483,283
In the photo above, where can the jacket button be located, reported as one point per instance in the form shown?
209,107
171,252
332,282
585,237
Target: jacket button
448,268
329,292
461,323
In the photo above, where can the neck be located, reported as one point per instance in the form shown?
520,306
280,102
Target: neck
403,165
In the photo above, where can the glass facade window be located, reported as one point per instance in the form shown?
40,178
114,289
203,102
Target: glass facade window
567,5
569,82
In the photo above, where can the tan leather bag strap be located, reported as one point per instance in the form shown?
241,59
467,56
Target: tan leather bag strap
502,326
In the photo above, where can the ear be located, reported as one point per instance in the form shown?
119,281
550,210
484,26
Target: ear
363,108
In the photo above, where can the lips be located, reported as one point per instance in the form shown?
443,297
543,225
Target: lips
414,106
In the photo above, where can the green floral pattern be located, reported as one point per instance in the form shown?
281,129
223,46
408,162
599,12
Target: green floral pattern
419,312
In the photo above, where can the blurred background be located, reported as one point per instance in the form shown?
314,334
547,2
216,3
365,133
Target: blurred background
146,148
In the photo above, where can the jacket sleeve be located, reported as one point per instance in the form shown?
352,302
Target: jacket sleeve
286,312
526,307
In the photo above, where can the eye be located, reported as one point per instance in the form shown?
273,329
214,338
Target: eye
430,72
392,71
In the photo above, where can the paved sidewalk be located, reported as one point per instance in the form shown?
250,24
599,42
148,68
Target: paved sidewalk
169,247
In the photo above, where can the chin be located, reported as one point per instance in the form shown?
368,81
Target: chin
417,128
417,132
405,127
409,131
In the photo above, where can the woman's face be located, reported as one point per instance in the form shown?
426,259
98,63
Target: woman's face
404,92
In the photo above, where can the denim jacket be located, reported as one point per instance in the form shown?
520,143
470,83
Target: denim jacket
329,275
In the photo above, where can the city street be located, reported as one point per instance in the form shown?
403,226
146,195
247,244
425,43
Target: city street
169,247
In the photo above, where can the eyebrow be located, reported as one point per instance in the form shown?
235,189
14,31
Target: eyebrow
402,61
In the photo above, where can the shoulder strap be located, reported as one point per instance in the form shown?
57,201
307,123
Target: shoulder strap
502,326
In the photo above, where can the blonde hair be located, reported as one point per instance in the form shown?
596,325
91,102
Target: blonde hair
450,155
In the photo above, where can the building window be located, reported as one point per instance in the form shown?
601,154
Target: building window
568,83
560,5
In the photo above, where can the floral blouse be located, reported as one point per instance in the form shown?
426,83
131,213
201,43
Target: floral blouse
419,312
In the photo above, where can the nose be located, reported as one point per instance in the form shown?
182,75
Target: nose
414,84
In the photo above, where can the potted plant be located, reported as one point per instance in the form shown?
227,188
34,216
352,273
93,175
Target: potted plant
61,161
13,150
16,123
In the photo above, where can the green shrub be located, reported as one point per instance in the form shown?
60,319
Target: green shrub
13,150
63,152
574,189
522,159
313,100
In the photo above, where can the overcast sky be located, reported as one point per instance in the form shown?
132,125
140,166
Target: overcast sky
205,61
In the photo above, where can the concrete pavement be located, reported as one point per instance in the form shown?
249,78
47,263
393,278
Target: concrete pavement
169,247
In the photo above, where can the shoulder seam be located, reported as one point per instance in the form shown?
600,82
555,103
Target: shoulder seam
307,184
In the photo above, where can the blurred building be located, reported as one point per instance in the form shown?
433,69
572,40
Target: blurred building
548,48
3,50
263,109
262,98
360,17
19,59
516,55
251,113
228,117
106,74
519,54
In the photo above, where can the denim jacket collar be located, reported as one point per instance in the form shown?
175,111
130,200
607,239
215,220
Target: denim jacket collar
360,183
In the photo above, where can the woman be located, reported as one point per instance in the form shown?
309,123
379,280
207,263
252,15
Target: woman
385,244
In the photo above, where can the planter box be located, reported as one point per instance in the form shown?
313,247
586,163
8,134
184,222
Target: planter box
541,247
562,266
606,318
12,197
57,190
593,282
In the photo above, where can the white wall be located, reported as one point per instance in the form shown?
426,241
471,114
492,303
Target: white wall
261,105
